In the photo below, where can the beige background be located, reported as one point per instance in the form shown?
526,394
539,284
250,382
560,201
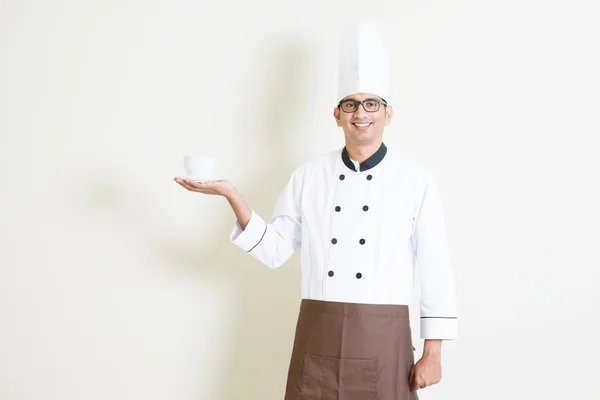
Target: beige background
115,283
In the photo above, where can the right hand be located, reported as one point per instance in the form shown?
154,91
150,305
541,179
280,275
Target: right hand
221,187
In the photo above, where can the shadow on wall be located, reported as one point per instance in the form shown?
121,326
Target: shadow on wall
268,300
266,308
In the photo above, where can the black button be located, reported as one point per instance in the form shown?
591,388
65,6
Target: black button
342,177
338,208
362,241
358,275
369,177
330,273
334,240
365,208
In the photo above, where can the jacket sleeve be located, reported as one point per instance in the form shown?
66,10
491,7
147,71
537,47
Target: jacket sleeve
437,301
274,243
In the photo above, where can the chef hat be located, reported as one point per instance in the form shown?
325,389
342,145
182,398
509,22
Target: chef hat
363,61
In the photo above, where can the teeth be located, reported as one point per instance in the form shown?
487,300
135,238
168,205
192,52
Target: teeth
362,125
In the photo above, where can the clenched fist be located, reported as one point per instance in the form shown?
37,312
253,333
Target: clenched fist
428,370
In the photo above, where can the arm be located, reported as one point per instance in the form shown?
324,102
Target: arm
241,210
437,301
271,243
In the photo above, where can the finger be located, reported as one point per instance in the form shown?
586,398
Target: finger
419,383
194,185
189,187
211,187
181,181
192,182
416,384
209,184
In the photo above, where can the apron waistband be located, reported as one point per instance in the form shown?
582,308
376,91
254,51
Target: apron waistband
309,306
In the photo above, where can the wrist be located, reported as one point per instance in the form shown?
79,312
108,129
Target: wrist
231,194
432,348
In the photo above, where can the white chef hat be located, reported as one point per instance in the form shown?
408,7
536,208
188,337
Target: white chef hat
363,61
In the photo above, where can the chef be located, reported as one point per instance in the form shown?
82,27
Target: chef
366,219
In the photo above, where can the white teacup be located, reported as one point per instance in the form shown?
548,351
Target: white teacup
200,168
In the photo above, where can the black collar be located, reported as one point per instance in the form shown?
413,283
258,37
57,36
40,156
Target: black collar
369,162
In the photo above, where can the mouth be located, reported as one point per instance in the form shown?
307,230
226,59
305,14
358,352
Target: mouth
362,126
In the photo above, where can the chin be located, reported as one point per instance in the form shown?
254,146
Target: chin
361,137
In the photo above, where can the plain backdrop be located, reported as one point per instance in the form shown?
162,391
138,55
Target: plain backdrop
116,283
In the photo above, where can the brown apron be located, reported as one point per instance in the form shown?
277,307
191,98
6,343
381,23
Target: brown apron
349,351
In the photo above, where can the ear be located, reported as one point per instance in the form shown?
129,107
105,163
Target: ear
336,115
389,112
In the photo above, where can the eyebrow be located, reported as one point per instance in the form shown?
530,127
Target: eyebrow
368,98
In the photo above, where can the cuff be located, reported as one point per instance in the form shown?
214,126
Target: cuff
444,328
249,238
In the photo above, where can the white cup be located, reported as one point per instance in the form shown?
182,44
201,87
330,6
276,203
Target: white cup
200,168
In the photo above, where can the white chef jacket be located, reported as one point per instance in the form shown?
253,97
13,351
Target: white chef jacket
362,232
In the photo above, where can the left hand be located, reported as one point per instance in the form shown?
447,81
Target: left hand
426,372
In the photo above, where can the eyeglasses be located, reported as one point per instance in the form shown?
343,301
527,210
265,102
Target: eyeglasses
369,105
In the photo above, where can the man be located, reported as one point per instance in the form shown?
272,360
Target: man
365,219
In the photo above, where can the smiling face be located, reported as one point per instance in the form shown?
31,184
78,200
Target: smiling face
360,126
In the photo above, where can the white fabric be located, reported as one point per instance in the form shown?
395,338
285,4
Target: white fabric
363,61
403,228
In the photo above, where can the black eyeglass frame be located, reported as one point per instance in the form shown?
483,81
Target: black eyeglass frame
361,103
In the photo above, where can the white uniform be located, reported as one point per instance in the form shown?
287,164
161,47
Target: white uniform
364,231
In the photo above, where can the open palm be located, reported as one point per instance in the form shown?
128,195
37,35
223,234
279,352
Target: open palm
220,187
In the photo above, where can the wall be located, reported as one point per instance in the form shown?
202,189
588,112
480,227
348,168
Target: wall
115,283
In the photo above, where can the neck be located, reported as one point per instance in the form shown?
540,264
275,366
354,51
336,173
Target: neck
360,152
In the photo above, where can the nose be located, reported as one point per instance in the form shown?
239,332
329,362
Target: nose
360,111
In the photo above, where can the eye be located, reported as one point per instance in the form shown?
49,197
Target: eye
371,104
349,105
